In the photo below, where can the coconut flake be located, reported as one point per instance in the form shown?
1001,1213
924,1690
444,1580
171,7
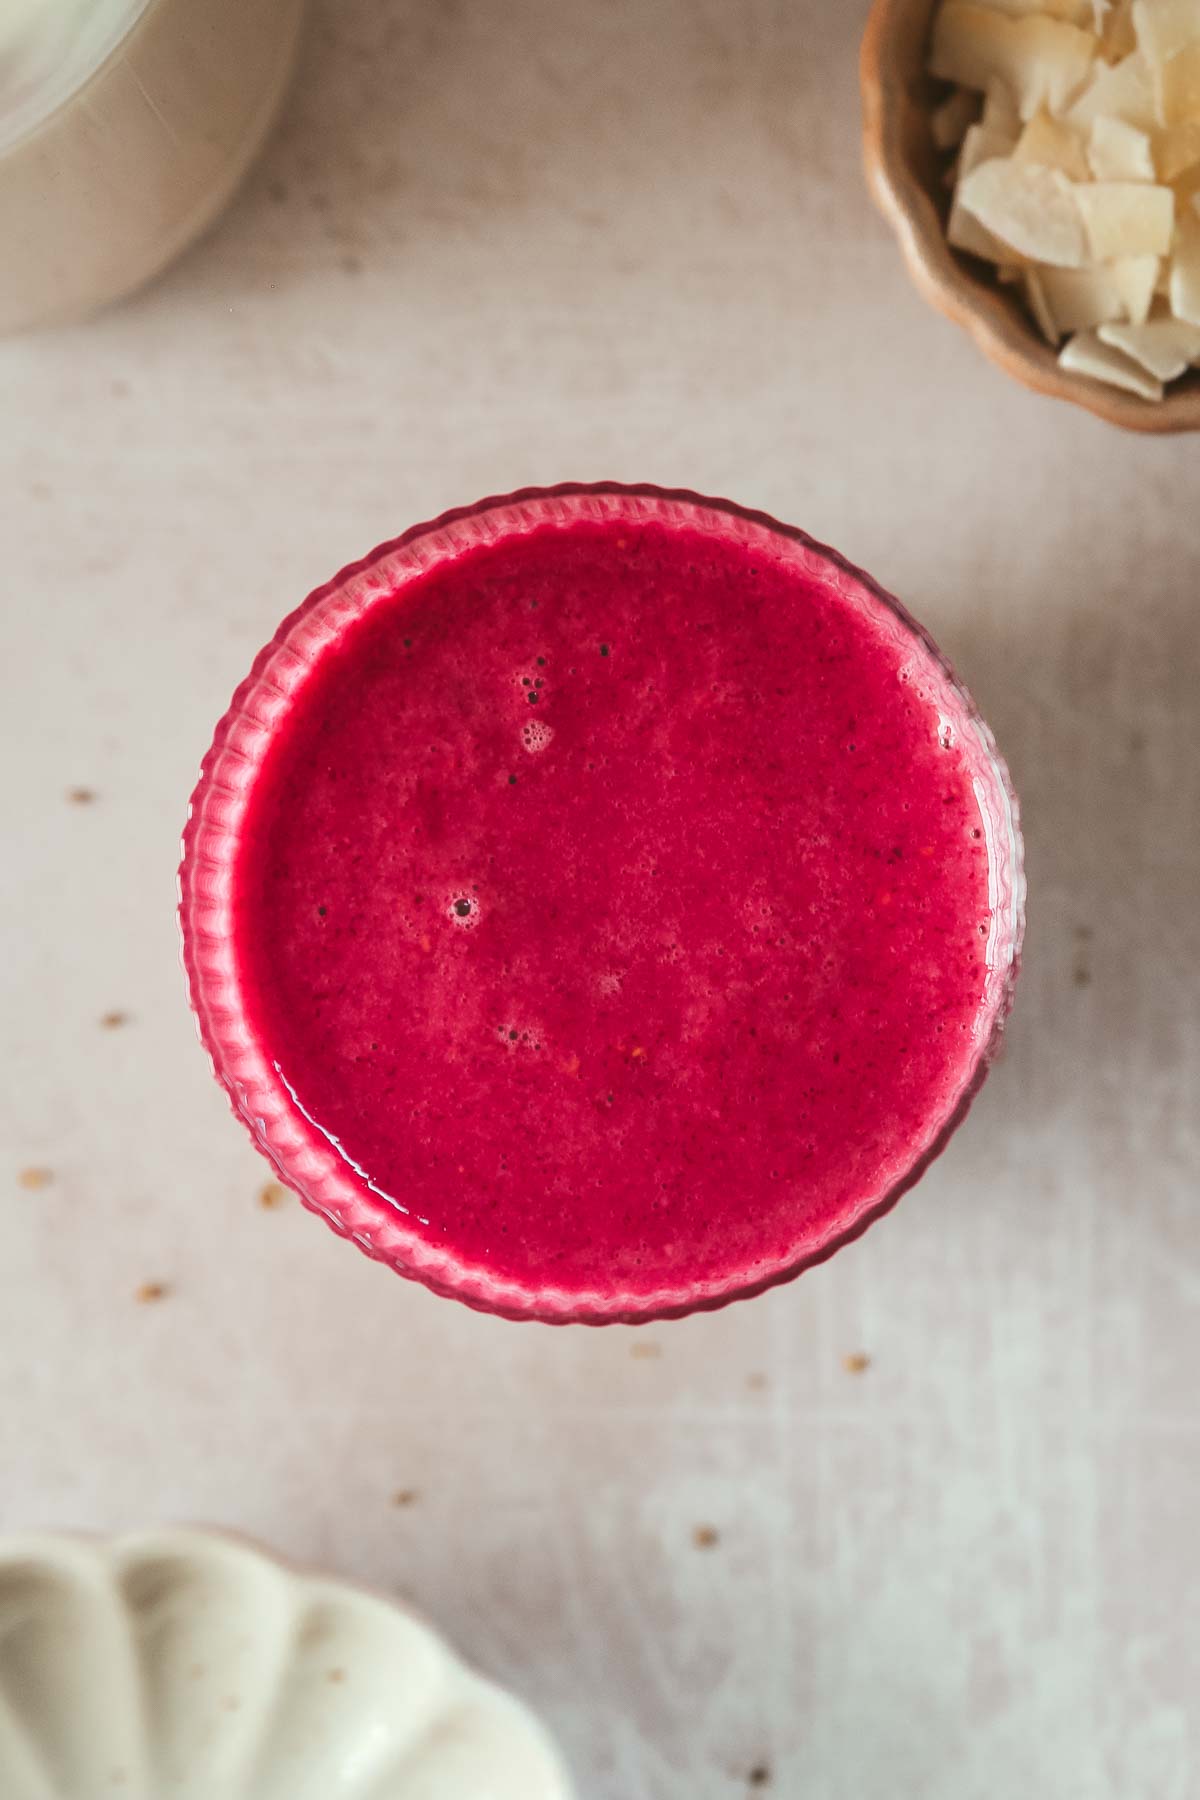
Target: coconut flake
1043,61
1030,208
1123,90
1126,218
1137,280
1084,354
1164,347
1119,152
1080,298
1055,145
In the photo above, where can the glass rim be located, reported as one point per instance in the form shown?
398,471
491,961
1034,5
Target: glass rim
304,1156
63,80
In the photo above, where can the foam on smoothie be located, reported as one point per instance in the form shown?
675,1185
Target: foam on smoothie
616,899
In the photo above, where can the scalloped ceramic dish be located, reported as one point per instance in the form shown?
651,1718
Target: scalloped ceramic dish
903,172
183,1665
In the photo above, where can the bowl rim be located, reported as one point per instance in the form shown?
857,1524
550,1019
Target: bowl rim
945,279
303,1155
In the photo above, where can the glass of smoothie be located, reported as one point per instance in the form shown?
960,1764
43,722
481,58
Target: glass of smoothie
601,903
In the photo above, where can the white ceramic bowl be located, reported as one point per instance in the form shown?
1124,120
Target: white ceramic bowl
182,1665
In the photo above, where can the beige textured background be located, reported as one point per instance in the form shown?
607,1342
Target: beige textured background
505,243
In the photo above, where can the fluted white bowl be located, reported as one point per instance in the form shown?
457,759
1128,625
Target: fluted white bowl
185,1665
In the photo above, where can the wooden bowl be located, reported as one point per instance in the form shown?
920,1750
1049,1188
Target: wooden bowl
905,171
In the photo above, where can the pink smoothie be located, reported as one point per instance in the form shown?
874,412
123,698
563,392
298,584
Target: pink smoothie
618,899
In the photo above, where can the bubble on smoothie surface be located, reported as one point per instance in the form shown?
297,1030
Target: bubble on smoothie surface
514,1037
536,735
532,682
463,910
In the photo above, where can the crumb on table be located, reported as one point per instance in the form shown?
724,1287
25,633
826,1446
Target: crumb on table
81,796
35,1178
645,1349
150,1291
404,1497
759,1775
272,1195
705,1536
856,1362
112,1020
